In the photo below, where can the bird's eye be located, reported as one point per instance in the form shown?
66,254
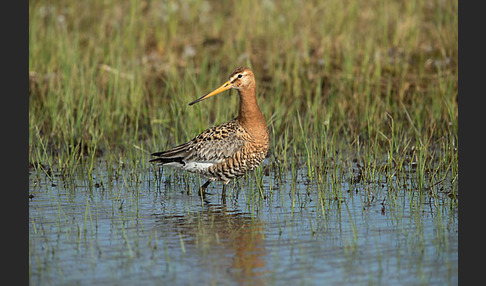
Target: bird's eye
240,75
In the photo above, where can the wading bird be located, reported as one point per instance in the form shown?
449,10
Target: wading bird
231,149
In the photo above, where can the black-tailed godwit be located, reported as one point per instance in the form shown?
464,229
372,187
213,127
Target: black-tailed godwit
231,149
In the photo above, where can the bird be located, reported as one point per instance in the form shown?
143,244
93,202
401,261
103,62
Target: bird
229,150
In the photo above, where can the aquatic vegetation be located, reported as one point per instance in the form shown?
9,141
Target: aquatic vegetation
361,102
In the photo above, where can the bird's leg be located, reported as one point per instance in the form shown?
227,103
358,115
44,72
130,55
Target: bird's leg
202,190
223,195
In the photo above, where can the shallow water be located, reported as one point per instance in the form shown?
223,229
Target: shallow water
152,228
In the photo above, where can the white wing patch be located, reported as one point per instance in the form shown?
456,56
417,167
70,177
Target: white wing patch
197,166
191,166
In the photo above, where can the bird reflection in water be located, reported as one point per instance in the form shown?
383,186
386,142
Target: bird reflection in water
229,242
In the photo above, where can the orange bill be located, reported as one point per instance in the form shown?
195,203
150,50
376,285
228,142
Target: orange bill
225,86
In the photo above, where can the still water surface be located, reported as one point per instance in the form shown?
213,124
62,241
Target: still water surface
154,229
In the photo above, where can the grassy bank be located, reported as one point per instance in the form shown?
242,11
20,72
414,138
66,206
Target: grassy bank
113,78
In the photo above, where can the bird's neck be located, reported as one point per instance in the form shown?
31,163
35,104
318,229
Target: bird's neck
250,116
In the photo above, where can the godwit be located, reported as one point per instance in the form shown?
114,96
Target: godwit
229,150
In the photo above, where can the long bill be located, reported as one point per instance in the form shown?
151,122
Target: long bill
225,86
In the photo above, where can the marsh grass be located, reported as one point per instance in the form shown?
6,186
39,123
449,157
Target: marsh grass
357,94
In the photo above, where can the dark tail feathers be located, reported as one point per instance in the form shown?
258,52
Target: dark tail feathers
163,160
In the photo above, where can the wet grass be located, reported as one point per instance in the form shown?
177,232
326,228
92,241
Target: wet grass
360,98
378,76
135,226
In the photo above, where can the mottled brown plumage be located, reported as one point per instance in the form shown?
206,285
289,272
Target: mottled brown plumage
231,149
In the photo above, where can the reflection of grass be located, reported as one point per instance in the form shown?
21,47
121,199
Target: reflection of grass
114,79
